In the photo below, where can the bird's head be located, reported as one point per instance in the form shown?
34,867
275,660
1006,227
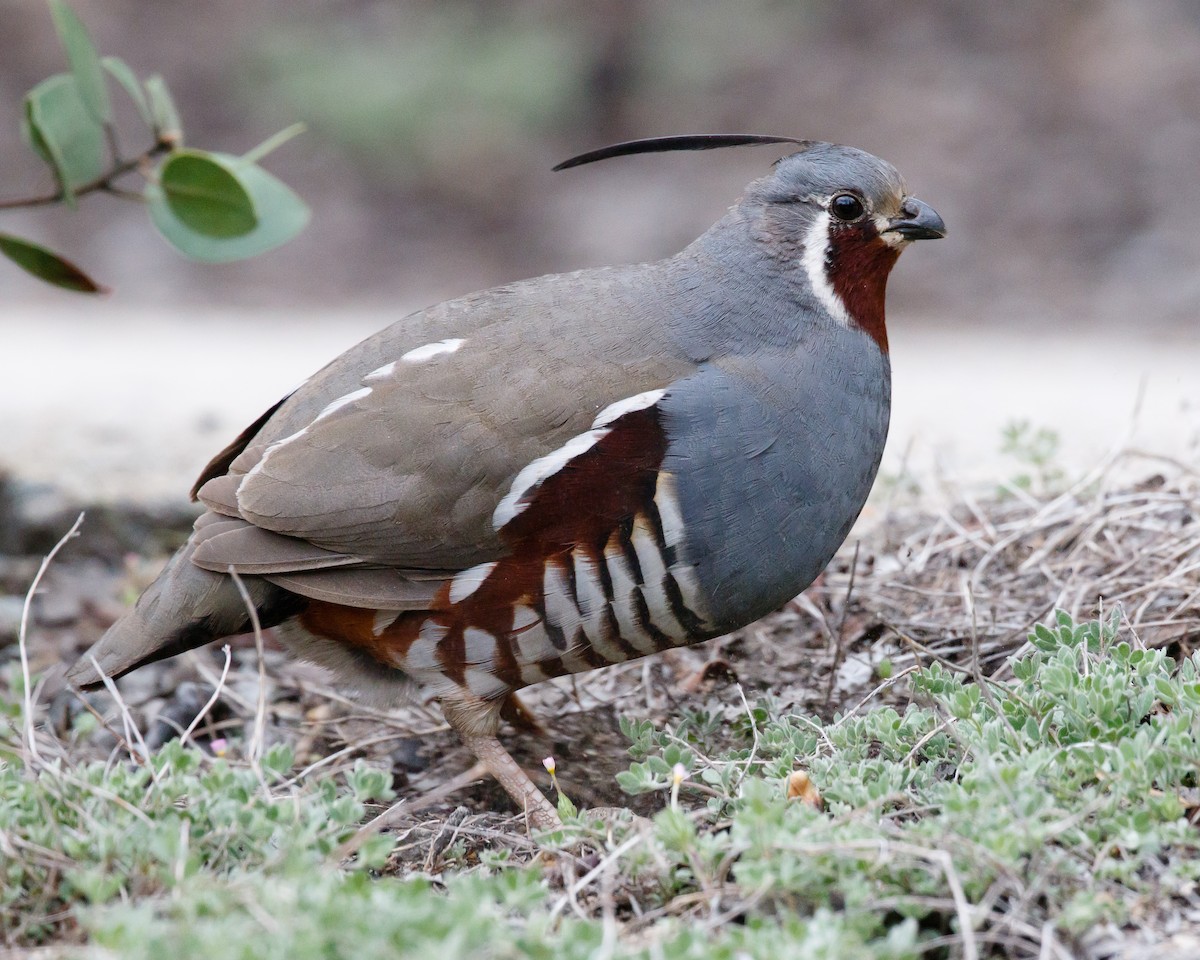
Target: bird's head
836,218
843,217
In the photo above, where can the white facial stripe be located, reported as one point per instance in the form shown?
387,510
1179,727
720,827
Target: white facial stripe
638,402
816,245
420,354
532,475
890,237
467,582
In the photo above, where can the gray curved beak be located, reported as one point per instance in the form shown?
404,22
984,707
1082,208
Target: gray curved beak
918,221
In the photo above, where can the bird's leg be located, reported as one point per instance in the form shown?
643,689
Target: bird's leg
512,778
477,721
520,716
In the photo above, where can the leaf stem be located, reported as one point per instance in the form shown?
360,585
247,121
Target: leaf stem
105,182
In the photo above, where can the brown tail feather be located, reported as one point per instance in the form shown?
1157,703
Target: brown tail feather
185,608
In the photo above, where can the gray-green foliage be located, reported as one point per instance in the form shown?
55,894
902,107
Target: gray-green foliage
84,835
1050,802
1069,780
209,206
1036,449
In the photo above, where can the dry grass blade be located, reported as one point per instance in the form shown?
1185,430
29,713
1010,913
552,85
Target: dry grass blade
255,749
30,738
217,688
1014,559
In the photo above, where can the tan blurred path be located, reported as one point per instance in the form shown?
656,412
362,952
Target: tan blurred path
114,404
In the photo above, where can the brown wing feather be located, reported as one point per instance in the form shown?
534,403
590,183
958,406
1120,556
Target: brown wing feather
219,464
372,589
251,550
401,463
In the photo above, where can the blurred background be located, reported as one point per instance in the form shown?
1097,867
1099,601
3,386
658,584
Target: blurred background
1060,142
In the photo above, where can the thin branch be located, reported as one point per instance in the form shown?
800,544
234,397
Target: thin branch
106,182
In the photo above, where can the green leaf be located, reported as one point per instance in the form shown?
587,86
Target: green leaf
33,136
46,265
124,75
281,216
205,195
85,64
60,125
279,759
164,116
566,809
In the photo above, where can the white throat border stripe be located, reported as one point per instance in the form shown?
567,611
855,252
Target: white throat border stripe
816,246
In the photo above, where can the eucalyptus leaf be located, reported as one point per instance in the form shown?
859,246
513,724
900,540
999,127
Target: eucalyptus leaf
124,75
85,64
205,195
164,116
47,265
60,122
281,216
33,136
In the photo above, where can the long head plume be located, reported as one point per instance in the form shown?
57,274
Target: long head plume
691,141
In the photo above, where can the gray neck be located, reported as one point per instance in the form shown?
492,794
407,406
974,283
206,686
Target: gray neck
740,288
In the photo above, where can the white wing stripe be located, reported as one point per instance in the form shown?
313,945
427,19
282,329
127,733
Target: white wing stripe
624,605
593,605
616,410
532,475
430,350
468,581
654,572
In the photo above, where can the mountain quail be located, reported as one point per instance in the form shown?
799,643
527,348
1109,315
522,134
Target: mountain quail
565,472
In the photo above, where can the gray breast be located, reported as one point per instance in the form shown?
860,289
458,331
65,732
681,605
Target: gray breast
774,455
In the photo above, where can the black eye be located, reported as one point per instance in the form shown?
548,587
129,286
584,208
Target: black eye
846,207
